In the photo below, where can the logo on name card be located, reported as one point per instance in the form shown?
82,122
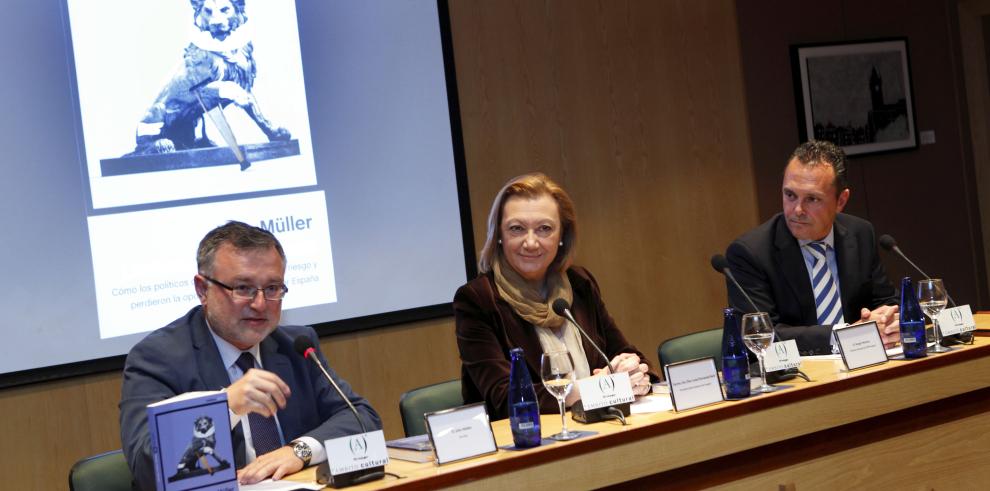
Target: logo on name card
956,320
783,356
781,350
605,390
607,385
355,452
358,445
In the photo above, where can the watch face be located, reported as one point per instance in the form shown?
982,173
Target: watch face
302,451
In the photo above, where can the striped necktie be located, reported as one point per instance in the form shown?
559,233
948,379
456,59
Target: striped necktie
264,433
827,302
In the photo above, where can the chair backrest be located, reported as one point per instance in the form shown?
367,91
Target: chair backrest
436,397
691,346
103,472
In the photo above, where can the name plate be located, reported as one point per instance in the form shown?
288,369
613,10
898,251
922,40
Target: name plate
956,320
356,452
782,356
693,383
605,390
460,433
860,345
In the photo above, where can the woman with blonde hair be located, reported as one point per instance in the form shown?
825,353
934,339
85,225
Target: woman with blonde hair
525,266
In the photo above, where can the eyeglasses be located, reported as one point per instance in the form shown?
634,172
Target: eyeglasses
245,292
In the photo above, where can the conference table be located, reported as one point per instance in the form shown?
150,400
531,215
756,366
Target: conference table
915,424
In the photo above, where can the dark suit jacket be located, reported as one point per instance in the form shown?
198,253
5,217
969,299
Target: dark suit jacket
487,328
768,263
182,357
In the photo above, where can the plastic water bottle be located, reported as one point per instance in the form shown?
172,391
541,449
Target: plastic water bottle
735,357
912,322
524,410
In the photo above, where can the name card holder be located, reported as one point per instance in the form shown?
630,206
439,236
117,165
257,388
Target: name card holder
782,356
353,459
860,345
956,320
693,383
605,390
460,433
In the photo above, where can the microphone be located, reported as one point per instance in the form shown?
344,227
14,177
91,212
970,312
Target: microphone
304,346
620,411
721,264
889,244
563,309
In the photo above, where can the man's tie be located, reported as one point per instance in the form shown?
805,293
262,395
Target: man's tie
264,433
827,302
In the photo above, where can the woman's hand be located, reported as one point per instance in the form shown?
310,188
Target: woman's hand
630,363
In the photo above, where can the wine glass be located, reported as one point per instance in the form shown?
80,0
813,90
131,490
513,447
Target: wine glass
557,373
932,297
757,334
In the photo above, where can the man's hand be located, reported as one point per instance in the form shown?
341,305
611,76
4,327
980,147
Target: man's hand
258,391
888,321
630,363
275,464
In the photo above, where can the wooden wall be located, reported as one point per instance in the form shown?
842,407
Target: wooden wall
927,197
974,40
637,108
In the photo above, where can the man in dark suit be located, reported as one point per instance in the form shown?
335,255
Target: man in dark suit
812,267
282,408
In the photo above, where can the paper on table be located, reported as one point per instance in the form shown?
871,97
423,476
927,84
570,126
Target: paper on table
269,485
892,352
651,404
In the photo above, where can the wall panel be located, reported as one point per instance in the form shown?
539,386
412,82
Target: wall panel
927,197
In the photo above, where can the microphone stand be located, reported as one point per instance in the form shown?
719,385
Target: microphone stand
721,265
889,244
323,474
578,413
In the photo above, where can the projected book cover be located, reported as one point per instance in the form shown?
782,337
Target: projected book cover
191,442
187,99
192,113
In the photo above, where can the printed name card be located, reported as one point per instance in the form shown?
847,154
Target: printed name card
860,345
782,356
692,383
460,433
356,452
956,320
605,390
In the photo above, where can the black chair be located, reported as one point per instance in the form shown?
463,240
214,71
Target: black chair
690,346
417,402
104,472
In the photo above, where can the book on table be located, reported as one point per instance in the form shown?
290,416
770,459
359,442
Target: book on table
413,448
191,442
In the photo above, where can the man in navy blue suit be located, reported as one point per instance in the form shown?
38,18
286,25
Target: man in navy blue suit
813,267
282,408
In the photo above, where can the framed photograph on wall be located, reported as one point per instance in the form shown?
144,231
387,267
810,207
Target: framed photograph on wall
855,94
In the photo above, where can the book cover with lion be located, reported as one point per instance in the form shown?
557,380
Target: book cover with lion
191,442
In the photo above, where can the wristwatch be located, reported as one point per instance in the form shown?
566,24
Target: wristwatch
302,450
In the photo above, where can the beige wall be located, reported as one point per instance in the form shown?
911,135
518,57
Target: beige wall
637,108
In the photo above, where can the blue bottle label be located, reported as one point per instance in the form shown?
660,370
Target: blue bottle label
735,373
524,421
913,339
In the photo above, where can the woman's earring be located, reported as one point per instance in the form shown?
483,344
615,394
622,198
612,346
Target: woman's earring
499,241
561,244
